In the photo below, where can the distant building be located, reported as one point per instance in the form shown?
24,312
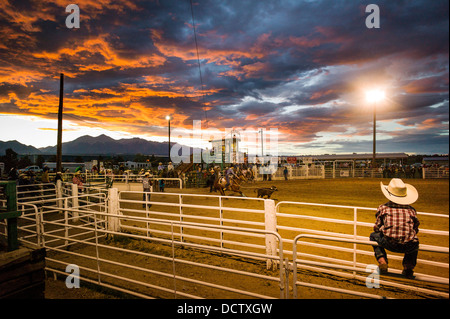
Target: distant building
66,166
136,165
384,157
228,147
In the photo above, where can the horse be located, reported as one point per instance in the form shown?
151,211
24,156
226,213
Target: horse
248,174
220,182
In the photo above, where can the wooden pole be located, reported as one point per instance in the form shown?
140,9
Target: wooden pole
60,115
374,152
168,150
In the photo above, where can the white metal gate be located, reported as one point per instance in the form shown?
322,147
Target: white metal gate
248,228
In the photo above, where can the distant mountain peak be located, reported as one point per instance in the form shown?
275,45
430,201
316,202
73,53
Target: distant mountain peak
89,138
94,145
18,147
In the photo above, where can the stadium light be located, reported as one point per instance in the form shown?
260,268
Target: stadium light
374,96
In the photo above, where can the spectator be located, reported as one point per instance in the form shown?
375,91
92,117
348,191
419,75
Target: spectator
146,185
12,175
58,177
161,185
77,180
44,178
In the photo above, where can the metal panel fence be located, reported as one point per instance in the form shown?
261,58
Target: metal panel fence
205,209
436,172
350,222
161,227
107,265
344,271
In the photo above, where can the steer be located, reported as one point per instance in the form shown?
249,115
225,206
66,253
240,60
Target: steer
266,191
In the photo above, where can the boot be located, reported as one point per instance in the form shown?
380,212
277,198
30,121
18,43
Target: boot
382,265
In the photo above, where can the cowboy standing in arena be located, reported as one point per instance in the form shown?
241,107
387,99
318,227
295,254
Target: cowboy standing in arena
146,184
396,226
228,173
78,180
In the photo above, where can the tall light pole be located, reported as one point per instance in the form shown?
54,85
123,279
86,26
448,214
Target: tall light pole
374,96
168,118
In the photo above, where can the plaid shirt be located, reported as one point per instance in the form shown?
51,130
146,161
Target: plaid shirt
398,222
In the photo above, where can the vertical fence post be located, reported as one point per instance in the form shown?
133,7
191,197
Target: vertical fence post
334,170
113,223
75,204
355,220
11,210
221,220
66,222
59,193
270,225
180,202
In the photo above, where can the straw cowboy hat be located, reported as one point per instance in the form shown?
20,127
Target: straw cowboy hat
399,192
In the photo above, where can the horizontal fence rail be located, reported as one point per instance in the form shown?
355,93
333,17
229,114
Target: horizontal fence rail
354,229
318,266
176,206
249,228
171,274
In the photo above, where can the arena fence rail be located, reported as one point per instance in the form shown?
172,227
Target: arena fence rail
349,226
325,267
96,264
243,227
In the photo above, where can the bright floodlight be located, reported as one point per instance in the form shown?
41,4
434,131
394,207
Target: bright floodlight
168,117
374,95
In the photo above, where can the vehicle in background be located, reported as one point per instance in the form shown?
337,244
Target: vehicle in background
67,167
34,168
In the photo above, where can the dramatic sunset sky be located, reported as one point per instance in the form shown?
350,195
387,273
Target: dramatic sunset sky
300,66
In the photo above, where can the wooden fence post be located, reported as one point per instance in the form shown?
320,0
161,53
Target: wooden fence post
75,204
270,225
113,223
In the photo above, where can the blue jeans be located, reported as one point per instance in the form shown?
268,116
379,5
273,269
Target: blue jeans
227,178
410,249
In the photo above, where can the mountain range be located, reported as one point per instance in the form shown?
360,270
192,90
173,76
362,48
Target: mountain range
88,145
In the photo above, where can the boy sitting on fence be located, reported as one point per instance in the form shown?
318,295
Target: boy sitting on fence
396,226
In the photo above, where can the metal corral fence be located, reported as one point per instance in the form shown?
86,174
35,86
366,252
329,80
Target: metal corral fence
45,200
170,245
373,279
108,180
147,274
436,172
355,224
432,269
203,209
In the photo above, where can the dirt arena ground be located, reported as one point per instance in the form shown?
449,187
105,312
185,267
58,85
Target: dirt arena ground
433,198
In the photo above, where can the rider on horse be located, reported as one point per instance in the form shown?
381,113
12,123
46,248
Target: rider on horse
229,172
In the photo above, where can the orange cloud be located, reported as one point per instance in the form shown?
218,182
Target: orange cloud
84,54
19,75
